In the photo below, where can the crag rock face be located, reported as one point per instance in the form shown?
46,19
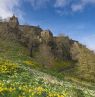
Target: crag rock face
46,36
63,45
35,39
9,29
75,51
13,22
46,48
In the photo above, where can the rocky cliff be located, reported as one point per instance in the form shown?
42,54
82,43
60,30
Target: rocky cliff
34,37
47,49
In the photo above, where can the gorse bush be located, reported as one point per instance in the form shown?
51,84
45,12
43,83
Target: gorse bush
6,66
24,90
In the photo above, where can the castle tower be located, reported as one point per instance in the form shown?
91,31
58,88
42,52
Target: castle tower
13,22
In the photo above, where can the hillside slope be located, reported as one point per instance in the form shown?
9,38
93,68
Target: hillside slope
85,65
60,54
20,78
34,63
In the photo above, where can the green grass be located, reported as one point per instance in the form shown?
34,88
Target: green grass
21,76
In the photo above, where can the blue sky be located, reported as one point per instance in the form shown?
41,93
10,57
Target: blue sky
74,18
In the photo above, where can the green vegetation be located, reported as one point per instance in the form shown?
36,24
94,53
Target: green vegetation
85,65
21,76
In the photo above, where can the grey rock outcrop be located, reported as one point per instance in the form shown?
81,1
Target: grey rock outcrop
46,48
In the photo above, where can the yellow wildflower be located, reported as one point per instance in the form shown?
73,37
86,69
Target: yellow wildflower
28,62
39,90
1,89
11,89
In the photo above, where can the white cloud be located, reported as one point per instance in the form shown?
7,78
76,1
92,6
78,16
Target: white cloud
61,3
37,4
10,7
75,5
88,1
81,5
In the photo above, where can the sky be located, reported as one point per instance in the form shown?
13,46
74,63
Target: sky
73,18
